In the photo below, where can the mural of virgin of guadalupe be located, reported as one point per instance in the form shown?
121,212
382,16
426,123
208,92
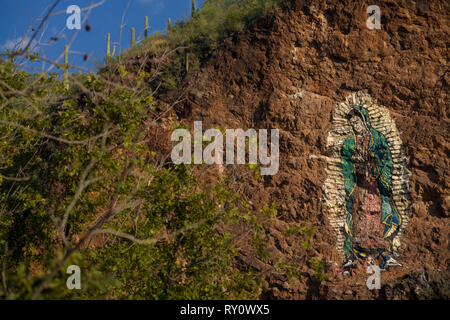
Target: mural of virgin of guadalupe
371,215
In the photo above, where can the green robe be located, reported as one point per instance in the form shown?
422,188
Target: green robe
379,150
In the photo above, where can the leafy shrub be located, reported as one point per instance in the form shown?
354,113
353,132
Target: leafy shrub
79,186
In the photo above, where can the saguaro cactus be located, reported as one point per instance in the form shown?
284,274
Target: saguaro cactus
66,67
193,8
108,46
146,27
168,24
132,42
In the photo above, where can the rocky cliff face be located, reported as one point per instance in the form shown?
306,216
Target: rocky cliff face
289,72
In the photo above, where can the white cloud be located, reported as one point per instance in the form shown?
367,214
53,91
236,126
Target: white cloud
156,5
18,44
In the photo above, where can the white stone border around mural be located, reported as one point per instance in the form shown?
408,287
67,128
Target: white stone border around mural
333,187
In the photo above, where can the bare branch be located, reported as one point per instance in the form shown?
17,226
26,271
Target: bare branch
40,25
151,240
45,135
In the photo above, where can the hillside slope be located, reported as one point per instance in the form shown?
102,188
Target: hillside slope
289,71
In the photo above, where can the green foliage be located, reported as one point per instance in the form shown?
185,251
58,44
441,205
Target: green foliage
194,265
315,263
318,266
218,20
81,155
307,242
307,233
270,212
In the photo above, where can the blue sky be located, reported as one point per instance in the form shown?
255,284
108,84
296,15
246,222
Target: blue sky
17,15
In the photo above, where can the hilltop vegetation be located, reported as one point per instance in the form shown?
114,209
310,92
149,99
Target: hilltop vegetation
192,41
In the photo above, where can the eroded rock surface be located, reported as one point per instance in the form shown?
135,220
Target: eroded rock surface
289,72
